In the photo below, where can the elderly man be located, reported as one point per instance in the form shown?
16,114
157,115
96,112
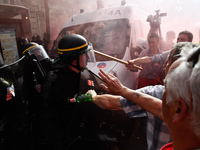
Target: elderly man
179,108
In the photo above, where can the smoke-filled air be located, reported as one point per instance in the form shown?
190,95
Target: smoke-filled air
180,14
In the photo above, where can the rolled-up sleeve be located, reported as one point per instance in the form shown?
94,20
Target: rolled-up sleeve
131,109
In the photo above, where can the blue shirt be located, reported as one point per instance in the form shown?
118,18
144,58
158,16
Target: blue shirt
160,58
157,131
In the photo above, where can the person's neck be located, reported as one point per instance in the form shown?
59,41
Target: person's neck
185,140
153,51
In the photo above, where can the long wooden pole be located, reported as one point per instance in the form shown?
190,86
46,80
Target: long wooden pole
115,59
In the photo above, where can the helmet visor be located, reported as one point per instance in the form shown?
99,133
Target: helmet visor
91,55
39,52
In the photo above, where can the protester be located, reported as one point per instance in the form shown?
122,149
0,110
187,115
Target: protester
184,36
39,40
159,134
34,38
141,45
180,107
53,52
46,43
169,41
20,45
149,75
180,100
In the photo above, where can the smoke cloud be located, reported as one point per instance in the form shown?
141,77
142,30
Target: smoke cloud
181,14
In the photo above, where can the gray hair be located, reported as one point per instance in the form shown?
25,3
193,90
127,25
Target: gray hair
183,82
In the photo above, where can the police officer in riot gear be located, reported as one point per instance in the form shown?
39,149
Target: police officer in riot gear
70,48
14,122
38,58
61,84
37,65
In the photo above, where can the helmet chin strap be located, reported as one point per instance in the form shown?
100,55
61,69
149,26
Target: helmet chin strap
77,64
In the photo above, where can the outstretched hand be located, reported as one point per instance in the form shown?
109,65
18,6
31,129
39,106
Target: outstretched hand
114,86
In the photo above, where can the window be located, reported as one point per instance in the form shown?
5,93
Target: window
110,37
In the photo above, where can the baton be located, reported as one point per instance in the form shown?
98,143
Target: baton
115,59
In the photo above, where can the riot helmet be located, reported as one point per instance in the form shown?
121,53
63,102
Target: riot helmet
25,41
36,50
70,47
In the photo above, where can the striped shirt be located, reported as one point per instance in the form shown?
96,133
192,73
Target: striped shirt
157,131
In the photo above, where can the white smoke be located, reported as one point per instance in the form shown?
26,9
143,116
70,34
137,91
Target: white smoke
181,14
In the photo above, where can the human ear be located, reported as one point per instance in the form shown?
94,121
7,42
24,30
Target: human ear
180,110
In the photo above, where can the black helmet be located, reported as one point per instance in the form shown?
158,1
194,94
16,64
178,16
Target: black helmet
35,49
73,44
69,49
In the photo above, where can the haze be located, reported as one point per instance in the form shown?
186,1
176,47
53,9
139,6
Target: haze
181,14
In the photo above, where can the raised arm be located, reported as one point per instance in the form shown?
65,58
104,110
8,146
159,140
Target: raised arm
138,61
145,101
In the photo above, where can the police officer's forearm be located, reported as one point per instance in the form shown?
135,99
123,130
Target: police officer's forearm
147,102
107,101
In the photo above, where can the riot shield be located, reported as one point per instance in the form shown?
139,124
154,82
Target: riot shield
15,67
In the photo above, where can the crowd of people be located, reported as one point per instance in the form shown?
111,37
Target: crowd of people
21,42
180,98
157,131
167,95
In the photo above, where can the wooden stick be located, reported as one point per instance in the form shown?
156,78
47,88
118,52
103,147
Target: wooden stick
115,59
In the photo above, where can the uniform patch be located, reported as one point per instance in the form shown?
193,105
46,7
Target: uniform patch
90,82
10,93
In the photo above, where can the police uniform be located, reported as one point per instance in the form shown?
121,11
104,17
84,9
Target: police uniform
60,120
37,64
